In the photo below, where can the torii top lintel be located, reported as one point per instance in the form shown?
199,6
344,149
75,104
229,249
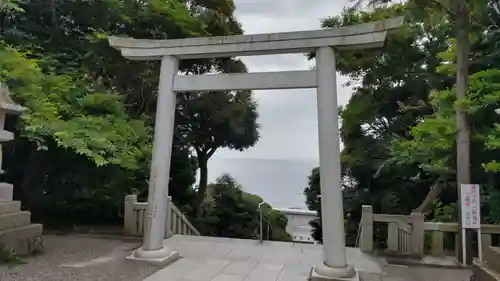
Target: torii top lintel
360,36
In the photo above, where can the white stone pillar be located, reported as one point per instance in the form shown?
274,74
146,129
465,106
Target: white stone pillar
334,266
153,248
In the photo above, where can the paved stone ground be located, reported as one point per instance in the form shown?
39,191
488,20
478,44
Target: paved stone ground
222,259
406,273
79,258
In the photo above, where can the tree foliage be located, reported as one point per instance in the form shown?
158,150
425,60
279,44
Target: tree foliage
399,126
74,114
87,137
313,202
213,120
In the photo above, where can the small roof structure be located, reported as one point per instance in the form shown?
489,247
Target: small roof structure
6,103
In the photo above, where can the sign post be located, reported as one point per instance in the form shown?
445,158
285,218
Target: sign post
471,215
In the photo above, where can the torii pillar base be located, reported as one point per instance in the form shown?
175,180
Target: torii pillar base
162,257
325,273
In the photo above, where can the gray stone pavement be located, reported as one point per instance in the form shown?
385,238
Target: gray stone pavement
79,258
407,273
223,259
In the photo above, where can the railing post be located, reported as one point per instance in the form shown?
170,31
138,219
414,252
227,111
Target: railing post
417,234
437,244
129,215
261,227
367,229
168,223
485,241
393,237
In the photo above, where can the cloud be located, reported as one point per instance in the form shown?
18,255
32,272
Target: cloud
263,16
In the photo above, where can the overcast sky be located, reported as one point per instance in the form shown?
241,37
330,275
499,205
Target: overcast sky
288,118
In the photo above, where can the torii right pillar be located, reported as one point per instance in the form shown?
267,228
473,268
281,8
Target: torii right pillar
334,251
334,266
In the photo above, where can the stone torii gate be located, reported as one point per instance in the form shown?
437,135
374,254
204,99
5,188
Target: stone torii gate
362,36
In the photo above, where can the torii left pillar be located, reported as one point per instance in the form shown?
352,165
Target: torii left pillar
153,250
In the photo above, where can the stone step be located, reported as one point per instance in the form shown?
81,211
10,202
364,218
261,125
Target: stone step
491,257
23,240
10,207
14,220
482,272
6,192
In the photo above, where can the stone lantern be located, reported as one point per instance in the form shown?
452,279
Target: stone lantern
7,106
17,233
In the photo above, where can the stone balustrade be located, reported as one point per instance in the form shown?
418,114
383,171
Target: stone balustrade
438,231
135,216
406,234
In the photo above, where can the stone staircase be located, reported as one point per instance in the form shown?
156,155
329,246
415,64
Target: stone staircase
17,233
489,268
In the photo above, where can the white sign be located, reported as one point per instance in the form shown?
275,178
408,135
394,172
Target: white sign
471,208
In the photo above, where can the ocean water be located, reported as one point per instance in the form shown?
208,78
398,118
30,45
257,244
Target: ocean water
280,182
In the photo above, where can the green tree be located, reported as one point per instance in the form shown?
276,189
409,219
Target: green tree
391,93
213,120
476,20
66,115
399,127
68,40
313,202
438,159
